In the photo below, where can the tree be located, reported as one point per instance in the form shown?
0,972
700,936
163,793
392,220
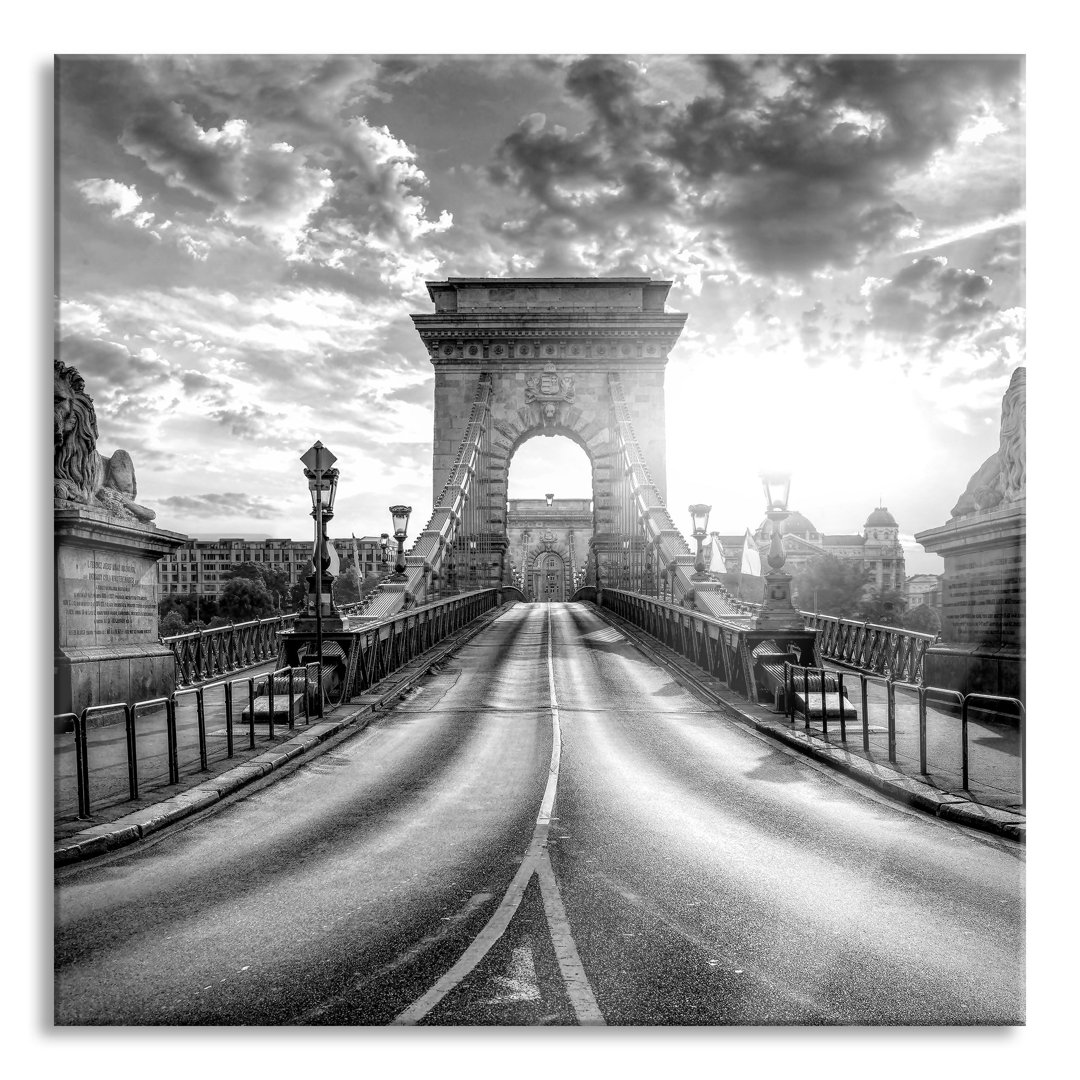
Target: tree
924,619
192,607
831,586
347,587
884,607
244,598
172,624
275,581
298,595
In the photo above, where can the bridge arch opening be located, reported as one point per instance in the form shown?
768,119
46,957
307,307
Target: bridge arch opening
549,513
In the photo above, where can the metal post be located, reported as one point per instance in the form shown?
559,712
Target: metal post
133,765
840,692
292,720
229,719
82,770
170,738
922,730
865,715
964,740
251,712
201,714
890,693
270,694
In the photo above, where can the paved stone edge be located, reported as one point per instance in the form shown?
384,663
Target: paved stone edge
99,839
889,782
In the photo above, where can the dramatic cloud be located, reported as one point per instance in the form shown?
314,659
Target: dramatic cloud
790,161
934,305
120,198
216,504
249,181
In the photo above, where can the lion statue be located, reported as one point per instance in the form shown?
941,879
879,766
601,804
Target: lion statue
80,473
1002,477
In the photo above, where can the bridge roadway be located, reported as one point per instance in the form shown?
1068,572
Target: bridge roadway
549,830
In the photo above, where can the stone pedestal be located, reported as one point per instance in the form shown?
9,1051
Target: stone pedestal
983,602
106,646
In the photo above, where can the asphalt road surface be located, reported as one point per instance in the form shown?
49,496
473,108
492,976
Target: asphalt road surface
549,831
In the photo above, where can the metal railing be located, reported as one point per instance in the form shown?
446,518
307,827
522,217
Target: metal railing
794,672
209,654
703,641
152,732
383,647
881,650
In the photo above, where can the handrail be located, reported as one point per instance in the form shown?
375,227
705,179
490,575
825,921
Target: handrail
220,650
965,702
883,650
386,646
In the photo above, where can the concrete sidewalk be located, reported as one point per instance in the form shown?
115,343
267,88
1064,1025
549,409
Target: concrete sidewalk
993,800
125,823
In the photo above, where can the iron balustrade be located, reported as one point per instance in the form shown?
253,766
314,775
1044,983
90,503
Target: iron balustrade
209,654
882,650
382,648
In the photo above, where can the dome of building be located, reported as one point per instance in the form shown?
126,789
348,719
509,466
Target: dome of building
882,519
795,525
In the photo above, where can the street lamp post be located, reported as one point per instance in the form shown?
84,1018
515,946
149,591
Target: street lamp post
322,480
777,612
400,516
699,515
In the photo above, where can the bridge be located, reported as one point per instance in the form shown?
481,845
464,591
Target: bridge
578,358
633,806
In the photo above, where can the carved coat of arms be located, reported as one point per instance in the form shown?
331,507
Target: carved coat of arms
549,390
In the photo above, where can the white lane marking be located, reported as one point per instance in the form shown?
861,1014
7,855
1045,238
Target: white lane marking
577,985
536,861
499,921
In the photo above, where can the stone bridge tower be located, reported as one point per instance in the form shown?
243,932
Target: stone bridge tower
553,348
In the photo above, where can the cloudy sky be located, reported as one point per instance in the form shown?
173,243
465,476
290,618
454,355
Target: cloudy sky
241,240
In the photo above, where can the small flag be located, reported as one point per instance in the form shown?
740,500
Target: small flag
751,557
716,560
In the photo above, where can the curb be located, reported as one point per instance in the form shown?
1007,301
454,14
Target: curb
99,839
887,781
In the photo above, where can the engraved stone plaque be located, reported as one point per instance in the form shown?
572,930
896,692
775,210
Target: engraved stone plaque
105,598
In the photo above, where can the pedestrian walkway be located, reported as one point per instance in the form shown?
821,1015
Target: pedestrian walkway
107,751
123,821
993,800
994,765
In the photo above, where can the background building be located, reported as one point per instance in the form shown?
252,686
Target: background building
549,545
877,548
924,590
203,566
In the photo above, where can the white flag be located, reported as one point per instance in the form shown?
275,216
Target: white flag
716,560
751,557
